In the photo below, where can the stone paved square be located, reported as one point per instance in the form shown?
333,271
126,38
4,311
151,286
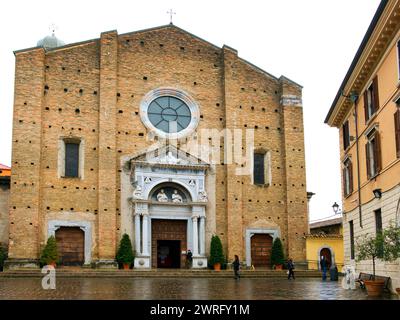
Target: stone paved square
180,289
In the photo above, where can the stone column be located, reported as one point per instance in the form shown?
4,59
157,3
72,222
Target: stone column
145,234
137,233
195,237
202,236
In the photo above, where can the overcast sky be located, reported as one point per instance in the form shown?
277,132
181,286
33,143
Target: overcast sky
309,41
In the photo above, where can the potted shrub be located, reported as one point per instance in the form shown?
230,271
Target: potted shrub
216,253
125,254
3,257
384,246
49,254
277,256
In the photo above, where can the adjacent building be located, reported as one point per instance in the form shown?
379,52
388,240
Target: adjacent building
161,135
366,110
5,175
325,239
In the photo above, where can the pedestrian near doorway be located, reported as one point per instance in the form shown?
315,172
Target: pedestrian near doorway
236,266
290,266
189,258
323,267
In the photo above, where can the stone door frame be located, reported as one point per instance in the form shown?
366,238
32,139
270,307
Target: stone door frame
54,225
274,233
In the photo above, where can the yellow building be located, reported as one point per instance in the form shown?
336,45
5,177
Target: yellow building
325,239
366,110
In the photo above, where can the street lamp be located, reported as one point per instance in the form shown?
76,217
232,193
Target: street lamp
335,208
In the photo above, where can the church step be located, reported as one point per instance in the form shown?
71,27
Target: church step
159,274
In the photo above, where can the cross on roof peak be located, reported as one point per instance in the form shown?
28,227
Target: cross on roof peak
170,12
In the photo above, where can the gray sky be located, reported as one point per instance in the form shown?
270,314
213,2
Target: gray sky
309,41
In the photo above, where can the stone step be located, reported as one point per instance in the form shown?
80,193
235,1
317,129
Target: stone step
159,273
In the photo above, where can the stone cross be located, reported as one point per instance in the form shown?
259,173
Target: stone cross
170,12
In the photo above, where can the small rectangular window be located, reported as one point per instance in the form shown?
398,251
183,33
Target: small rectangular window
259,168
351,227
71,159
346,135
398,57
373,154
347,177
371,99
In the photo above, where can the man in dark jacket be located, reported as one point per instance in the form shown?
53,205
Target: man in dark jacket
290,266
189,258
236,266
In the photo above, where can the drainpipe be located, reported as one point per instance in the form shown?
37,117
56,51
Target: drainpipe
354,98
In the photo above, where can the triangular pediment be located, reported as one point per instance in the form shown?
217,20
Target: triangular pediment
168,156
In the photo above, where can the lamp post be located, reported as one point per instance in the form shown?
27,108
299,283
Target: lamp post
333,270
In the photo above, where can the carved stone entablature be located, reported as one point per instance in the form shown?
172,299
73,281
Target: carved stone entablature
291,100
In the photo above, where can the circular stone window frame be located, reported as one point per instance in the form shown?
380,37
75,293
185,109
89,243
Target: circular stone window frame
171,92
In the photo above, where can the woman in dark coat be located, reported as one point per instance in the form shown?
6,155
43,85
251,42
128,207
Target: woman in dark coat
236,266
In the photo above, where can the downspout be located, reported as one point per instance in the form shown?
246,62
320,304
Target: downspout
354,98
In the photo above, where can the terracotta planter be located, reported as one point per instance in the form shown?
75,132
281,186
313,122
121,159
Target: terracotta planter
126,266
217,267
374,287
279,267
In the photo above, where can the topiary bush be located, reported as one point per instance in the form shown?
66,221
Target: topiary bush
49,254
216,251
125,252
277,256
3,257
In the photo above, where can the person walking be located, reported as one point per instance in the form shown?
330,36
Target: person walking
290,266
323,267
236,266
189,258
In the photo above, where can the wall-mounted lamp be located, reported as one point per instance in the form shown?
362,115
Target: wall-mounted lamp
335,208
377,193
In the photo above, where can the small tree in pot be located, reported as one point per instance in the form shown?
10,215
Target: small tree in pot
384,246
49,254
125,253
216,253
277,256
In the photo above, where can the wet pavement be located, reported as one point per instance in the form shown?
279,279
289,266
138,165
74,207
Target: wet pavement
180,289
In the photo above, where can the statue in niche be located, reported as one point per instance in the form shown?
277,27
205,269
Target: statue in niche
203,196
176,197
137,193
161,196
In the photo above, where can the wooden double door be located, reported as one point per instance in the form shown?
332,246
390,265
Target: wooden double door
71,245
261,245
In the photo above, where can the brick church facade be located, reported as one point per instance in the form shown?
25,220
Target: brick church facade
140,133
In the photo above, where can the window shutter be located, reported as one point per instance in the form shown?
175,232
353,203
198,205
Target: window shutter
344,180
377,152
258,173
366,105
367,160
376,93
71,160
350,168
346,135
397,130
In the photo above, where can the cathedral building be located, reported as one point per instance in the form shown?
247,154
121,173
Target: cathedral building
160,135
